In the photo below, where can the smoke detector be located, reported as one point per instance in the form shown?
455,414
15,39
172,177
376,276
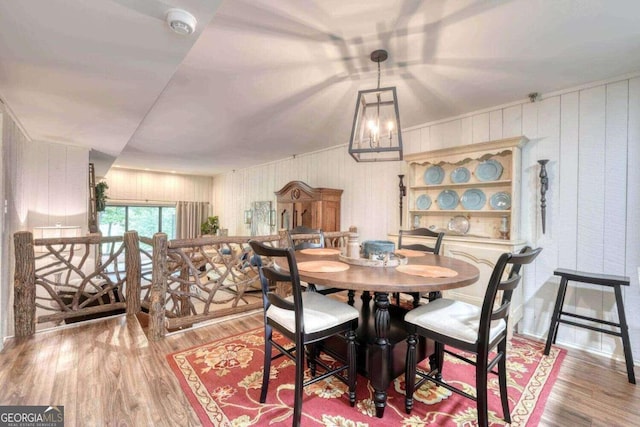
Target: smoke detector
181,21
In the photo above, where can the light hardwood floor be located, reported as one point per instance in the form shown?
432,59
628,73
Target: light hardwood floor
106,373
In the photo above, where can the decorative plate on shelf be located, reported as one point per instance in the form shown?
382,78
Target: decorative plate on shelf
433,175
460,175
489,170
423,202
473,199
459,224
500,201
448,199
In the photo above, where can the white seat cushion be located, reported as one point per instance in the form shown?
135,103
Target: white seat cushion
320,312
455,319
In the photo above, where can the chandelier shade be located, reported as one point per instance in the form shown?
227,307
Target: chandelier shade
376,135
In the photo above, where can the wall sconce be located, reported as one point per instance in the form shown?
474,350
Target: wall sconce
248,215
544,186
403,192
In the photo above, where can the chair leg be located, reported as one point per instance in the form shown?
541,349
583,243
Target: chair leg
266,372
351,297
312,354
434,295
481,389
396,295
299,381
416,299
410,373
436,360
351,356
502,378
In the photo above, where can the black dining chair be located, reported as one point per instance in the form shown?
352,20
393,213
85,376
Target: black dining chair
435,249
306,319
473,329
302,237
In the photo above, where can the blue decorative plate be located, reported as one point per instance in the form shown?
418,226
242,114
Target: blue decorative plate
433,175
500,201
473,199
460,175
448,199
489,170
423,202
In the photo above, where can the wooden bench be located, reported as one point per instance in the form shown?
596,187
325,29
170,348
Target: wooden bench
596,279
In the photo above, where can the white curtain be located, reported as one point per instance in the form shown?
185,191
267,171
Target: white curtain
189,217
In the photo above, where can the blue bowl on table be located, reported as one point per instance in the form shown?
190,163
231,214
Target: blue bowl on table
377,247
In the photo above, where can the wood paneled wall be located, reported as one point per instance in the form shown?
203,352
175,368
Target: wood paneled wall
44,184
591,136
136,185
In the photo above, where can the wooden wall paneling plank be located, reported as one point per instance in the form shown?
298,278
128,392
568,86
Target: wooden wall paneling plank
392,197
437,136
590,239
529,197
57,175
632,295
128,185
549,148
36,172
411,141
360,192
615,201
512,121
480,127
542,292
567,223
466,130
495,125
338,176
77,187
615,175
452,133
529,189
568,180
425,139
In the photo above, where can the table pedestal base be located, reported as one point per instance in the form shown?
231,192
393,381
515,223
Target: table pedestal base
381,344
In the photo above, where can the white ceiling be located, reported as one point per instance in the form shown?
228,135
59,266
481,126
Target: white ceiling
263,79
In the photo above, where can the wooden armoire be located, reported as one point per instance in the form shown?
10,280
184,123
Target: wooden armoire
301,205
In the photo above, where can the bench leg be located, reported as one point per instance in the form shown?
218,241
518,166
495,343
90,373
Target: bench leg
553,328
624,333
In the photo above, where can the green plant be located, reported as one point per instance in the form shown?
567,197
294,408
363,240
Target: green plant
101,196
210,226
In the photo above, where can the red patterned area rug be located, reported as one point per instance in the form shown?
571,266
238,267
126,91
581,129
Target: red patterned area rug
222,381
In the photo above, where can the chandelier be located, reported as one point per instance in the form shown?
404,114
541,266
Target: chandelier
376,134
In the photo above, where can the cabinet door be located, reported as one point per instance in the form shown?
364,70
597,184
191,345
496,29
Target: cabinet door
303,214
285,215
484,257
330,216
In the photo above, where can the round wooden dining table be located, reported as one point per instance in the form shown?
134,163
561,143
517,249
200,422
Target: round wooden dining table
381,333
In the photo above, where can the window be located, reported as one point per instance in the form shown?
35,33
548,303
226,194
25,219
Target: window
146,220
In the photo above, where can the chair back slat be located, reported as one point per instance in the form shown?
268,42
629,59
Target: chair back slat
507,286
304,238
511,283
501,312
425,232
